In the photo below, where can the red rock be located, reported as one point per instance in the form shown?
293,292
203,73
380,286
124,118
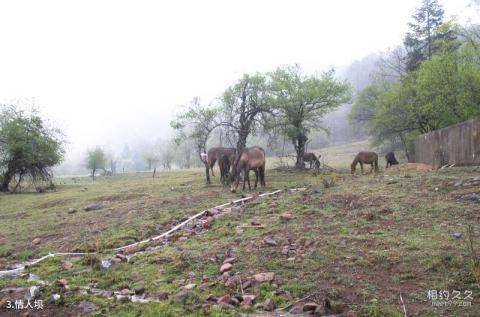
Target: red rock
264,277
270,241
122,257
125,291
163,295
208,222
226,267
310,306
229,260
130,250
268,305
351,313
66,265
231,282
224,299
36,241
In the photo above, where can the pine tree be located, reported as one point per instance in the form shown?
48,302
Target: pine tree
425,32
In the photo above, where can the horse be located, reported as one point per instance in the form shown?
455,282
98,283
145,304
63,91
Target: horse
215,153
224,163
365,158
312,159
391,160
252,158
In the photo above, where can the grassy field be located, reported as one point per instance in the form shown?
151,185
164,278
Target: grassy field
357,242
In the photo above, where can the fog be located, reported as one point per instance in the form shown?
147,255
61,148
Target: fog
114,72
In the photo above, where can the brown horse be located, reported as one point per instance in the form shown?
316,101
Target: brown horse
391,160
365,158
312,159
215,153
224,163
250,159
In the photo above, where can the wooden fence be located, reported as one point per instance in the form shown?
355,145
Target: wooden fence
457,144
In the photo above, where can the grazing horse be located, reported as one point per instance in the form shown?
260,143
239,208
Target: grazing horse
312,159
252,158
215,153
391,160
224,163
365,158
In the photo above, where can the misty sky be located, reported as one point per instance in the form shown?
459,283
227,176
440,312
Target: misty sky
108,72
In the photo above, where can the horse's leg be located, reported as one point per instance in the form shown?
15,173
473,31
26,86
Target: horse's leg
256,178
262,176
361,167
245,176
212,163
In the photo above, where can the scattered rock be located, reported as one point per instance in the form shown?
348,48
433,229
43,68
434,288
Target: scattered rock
208,222
310,307
226,267
190,286
36,241
67,265
54,298
139,289
270,241
457,235
247,284
163,295
137,277
33,277
268,305
182,296
122,257
225,299
351,313
458,184
139,299
229,260
264,277
231,282
72,210
472,197
125,292
107,265
96,206
226,306
87,307
62,282
32,293
130,249
122,298
285,217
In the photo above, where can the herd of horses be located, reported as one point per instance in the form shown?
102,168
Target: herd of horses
253,158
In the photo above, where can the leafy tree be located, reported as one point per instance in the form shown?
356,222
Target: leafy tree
302,101
245,106
425,31
96,160
28,147
197,123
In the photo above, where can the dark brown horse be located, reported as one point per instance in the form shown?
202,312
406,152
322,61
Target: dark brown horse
312,159
252,158
215,153
391,160
224,163
365,158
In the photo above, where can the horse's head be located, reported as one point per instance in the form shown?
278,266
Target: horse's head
353,166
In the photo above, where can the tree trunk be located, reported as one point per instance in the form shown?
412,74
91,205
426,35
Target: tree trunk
299,143
7,178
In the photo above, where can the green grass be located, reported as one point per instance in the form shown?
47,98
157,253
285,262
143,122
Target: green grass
359,243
